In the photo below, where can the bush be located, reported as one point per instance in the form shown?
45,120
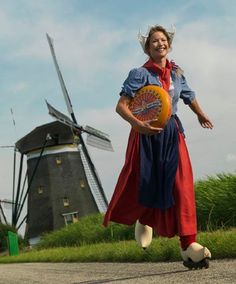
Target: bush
3,236
88,230
216,202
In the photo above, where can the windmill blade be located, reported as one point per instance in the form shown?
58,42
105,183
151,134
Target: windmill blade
94,181
99,143
96,132
62,117
95,138
98,139
62,83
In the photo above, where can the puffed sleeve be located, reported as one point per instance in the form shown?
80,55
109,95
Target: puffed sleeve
135,80
186,94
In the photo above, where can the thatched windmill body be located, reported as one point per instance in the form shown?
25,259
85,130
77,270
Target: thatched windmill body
63,184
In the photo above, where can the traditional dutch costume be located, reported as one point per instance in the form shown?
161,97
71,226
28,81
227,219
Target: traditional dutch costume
156,183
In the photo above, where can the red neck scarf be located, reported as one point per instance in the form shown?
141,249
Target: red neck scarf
163,73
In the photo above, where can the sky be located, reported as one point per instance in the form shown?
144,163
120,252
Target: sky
96,46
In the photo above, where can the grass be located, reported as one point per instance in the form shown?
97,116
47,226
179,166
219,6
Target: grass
216,202
221,243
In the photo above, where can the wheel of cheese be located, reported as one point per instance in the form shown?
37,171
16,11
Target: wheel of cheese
152,103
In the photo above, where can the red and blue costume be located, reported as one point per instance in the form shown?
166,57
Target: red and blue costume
155,185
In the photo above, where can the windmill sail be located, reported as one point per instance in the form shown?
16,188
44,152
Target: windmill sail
99,195
94,139
62,117
62,83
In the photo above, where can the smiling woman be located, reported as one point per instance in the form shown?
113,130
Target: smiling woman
155,188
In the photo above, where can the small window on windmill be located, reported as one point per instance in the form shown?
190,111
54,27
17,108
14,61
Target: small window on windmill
82,183
71,217
66,202
58,161
40,189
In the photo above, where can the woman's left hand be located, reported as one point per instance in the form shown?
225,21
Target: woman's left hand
202,118
205,121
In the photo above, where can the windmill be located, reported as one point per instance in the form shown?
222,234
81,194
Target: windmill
63,184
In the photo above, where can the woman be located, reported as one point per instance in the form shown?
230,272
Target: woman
155,188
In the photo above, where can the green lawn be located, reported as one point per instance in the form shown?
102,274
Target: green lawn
221,243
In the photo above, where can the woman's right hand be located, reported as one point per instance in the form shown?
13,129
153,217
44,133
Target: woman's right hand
143,127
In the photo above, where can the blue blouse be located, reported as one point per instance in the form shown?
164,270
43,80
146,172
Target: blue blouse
140,77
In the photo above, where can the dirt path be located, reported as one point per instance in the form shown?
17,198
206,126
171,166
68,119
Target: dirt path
221,271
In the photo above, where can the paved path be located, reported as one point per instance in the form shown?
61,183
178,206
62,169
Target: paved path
221,271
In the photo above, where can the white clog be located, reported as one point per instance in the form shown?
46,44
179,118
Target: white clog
143,234
196,256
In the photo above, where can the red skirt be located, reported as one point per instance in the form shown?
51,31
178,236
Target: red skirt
124,207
